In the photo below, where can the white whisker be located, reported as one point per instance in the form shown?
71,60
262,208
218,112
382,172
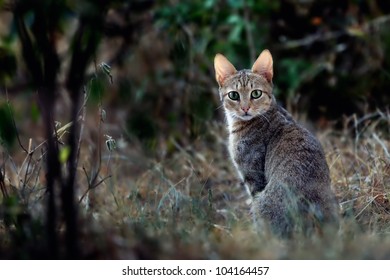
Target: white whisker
219,107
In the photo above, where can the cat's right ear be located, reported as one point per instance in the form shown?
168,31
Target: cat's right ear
264,65
223,68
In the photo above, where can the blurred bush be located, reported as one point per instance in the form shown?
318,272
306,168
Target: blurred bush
330,58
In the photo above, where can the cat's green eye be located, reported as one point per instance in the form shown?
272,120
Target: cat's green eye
256,94
234,95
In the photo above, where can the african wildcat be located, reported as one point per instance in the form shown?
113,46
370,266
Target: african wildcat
281,162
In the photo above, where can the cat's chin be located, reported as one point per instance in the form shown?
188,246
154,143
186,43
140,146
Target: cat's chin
245,117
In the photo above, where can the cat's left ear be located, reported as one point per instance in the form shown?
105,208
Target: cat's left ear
264,65
223,68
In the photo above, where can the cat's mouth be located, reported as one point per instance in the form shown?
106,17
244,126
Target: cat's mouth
242,117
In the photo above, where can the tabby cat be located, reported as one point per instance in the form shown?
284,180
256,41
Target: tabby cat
281,163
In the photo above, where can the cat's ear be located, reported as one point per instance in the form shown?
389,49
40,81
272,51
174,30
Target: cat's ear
264,65
223,68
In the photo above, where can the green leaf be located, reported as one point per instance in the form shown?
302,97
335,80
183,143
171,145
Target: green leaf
64,154
235,34
208,4
235,19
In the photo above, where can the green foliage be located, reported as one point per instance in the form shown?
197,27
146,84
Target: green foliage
193,32
303,58
216,26
291,73
63,155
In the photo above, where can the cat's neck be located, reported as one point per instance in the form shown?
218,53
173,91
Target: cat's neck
266,121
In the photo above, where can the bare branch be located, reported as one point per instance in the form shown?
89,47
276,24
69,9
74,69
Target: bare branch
367,28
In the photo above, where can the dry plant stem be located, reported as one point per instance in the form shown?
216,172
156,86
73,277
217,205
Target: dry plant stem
34,187
368,28
86,38
29,153
91,187
92,184
13,123
249,35
368,204
357,133
26,173
369,117
382,144
95,171
99,145
2,183
82,124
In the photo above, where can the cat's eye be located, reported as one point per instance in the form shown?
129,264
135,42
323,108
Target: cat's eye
256,93
234,95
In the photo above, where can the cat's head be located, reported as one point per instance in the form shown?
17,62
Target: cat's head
245,94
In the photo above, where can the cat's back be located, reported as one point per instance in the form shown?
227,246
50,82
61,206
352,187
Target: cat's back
294,155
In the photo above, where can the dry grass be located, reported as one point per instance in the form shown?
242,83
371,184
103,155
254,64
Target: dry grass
185,201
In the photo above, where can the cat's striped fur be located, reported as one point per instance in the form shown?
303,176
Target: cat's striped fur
282,164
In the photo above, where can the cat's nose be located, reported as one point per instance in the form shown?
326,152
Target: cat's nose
245,109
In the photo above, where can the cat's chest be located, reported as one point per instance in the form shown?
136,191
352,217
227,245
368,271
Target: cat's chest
235,146
248,156
247,151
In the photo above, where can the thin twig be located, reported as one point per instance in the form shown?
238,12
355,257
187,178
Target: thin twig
82,124
86,174
249,34
309,40
2,183
321,37
13,123
93,187
368,204
26,173
376,138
